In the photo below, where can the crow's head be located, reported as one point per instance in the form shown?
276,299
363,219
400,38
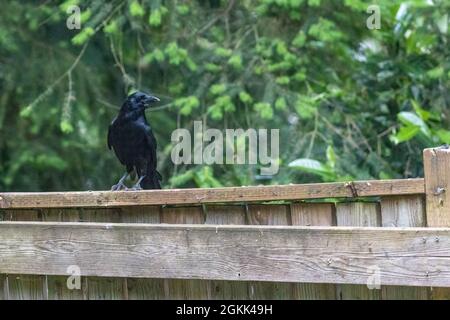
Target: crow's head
138,101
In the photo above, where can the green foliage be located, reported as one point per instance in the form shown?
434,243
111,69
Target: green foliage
350,103
83,36
136,10
187,104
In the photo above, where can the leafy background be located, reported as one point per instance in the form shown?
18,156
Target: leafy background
350,103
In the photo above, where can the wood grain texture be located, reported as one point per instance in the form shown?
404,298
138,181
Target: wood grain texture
313,214
274,215
436,164
405,256
185,289
57,285
403,211
440,293
60,214
143,289
360,214
182,215
227,215
103,288
269,215
106,289
58,289
141,214
3,287
211,195
24,287
437,185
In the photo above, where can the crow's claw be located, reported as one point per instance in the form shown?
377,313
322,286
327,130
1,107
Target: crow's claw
136,187
118,187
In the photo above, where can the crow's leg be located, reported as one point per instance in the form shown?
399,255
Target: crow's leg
137,186
120,185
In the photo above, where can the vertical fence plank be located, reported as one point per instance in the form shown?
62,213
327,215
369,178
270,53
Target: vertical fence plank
357,214
62,215
437,186
58,289
227,214
313,214
143,289
403,211
104,288
141,214
185,289
3,287
436,164
260,214
57,285
269,214
25,287
183,215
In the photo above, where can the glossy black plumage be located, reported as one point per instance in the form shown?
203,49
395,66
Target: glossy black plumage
133,142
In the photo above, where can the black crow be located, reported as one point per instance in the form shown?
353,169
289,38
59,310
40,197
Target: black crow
133,142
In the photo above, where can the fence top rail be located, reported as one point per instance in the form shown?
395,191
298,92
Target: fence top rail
186,227
85,199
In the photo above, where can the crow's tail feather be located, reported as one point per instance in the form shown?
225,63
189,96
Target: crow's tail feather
151,180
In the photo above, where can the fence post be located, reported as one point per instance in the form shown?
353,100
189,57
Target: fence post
437,186
436,163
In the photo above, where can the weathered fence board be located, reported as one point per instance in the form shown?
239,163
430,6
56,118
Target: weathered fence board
145,289
403,211
313,214
360,214
215,195
260,214
25,287
184,289
436,163
104,288
227,215
58,289
405,256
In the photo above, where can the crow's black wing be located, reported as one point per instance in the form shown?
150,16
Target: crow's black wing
115,144
151,145
153,177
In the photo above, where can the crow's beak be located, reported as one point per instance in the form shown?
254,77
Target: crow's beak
150,99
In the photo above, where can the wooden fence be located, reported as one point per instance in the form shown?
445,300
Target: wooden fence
268,242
